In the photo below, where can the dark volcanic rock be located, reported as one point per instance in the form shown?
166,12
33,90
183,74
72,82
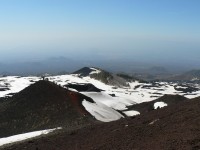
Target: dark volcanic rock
102,76
176,127
187,89
4,89
83,87
119,80
149,106
42,105
83,71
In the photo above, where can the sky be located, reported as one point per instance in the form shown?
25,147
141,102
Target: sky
145,30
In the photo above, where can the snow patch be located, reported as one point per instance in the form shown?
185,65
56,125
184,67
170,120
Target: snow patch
101,112
21,137
16,84
159,105
131,113
95,71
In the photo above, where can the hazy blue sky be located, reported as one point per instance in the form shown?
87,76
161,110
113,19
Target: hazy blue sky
132,29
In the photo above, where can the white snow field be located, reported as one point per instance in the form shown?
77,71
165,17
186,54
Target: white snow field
15,84
101,112
105,106
25,136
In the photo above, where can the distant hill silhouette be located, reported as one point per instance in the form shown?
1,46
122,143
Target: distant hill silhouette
107,77
187,76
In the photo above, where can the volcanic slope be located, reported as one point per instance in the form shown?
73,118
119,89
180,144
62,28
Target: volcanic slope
149,106
40,106
174,127
118,80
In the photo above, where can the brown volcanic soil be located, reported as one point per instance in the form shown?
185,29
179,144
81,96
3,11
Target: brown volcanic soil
40,106
149,106
176,127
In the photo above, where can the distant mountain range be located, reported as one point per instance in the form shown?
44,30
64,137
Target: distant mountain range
63,65
193,75
57,65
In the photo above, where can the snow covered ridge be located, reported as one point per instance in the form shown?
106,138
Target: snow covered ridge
25,136
86,71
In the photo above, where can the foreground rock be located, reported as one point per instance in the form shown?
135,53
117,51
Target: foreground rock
173,127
